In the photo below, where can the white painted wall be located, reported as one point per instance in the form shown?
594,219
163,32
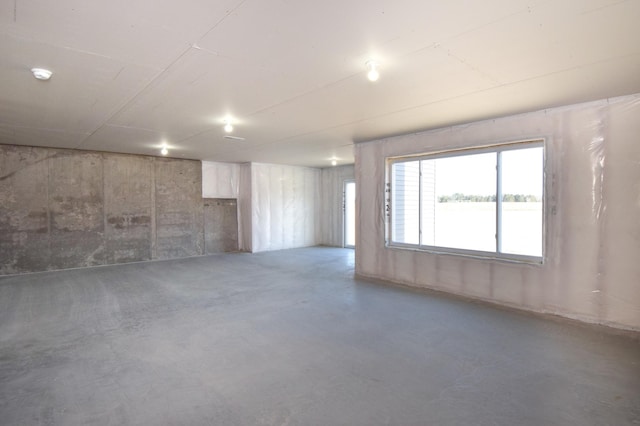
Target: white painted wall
591,269
285,207
332,217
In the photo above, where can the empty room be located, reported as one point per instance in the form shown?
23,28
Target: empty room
283,212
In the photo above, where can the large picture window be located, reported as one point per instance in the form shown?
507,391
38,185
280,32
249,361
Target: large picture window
485,201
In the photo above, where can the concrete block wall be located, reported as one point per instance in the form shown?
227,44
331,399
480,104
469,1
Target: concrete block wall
65,209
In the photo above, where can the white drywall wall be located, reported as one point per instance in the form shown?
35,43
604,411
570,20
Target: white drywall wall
591,269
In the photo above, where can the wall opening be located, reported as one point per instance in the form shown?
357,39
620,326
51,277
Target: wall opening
349,208
220,225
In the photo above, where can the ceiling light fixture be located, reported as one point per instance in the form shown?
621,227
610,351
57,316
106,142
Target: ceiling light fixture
334,162
41,73
373,74
164,150
228,127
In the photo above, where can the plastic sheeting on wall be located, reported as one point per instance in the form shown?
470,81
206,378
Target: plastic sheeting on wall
220,180
592,205
285,207
278,206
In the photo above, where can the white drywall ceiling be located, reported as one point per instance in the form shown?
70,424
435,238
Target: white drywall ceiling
129,76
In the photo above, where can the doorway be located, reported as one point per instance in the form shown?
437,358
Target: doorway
349,208
220,225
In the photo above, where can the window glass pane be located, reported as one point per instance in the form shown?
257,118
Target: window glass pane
405,184
464,203
450,202
522,185
428,200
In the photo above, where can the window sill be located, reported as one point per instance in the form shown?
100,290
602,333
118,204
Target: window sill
471,254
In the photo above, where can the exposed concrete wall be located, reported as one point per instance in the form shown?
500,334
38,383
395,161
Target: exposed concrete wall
220,225
76,209
179,208
65,209
24,209
129,208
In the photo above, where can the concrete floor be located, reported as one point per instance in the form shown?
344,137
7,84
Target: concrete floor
289,338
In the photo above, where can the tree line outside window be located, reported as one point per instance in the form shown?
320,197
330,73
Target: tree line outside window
508,198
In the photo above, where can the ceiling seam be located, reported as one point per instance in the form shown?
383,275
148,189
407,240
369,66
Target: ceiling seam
253,148
428,104
121,126
335,82
221,20
606,6
45,129
477,92
474,68
157,76
491,88
284,102
134,96
76,50
487,24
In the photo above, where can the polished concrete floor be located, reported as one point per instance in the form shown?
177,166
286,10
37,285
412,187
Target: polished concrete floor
289,338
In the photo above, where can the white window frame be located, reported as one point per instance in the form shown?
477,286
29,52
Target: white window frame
495,148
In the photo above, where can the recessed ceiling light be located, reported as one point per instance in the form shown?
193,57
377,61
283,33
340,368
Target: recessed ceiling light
373,74
164,150
41,73
334,163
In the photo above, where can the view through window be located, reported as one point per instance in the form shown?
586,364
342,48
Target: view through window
487,200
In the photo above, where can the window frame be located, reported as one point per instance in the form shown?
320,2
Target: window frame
497,148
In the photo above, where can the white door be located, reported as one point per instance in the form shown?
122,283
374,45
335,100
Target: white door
349,214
